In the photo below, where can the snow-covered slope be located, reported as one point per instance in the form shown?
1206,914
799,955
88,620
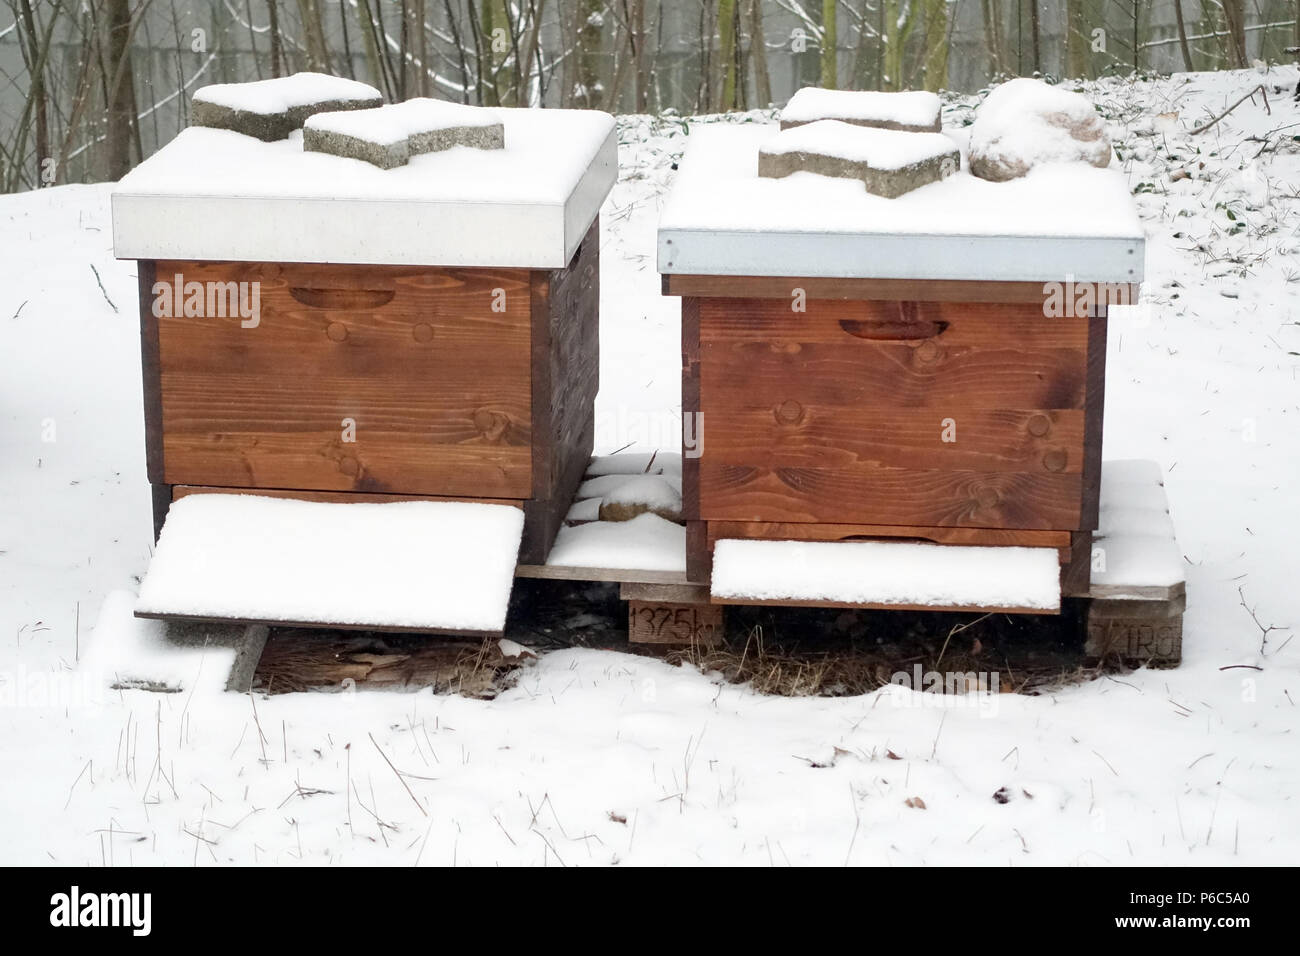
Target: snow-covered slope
1196,765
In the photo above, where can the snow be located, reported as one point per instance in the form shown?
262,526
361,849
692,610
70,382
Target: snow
284,93
126,651
408,564
1012,127
1203,383
1135,532
1059,220
527,205
647,543
880,148
395,122
636,463
909,108
887,572
654,491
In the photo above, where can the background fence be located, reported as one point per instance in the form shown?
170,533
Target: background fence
89,87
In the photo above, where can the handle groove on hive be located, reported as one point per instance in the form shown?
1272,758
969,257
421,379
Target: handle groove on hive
342,298
907,326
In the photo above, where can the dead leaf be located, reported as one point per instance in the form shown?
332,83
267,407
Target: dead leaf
617,817
892,756
1002,795
916,803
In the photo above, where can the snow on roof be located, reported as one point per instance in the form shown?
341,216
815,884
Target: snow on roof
721,218
911,108
216,194
881,148
284,92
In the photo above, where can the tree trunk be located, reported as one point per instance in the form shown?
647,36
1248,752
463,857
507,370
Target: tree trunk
758,54
1234,15
936,44
119,111
36,90
313,36
370,44
277,42
1076,40
590,33
830,45
1035,33
727,54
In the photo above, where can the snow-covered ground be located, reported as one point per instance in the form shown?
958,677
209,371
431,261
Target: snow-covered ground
597,757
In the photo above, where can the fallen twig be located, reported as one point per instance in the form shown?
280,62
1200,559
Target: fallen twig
1259,89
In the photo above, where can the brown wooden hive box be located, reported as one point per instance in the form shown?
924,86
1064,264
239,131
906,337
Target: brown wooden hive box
956,413
379,383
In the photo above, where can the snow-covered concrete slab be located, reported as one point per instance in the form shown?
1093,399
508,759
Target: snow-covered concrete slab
1135,551
418,565
214,194
888,163
886,573
914,111
722,218
272,109
388,136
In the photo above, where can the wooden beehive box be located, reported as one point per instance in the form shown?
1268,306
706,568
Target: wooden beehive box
422,332
930,367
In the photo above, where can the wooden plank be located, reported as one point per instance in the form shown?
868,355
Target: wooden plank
989,537
664,593
934,329
879,494
793,435
965,608
161,496
333,497
1136,631
932,290
151,376
859,374
675,623
692,431
555,572
432,366
1144,592
566,378
1076,565
699,552
382,629
1094,410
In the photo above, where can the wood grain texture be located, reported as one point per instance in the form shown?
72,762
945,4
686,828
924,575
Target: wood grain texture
699,553
1095,408
931,290
431,364
329,497
692,430
1076,568
989,537
920,413
699,624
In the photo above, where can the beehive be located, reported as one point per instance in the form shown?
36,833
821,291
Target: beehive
428,331
930,367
